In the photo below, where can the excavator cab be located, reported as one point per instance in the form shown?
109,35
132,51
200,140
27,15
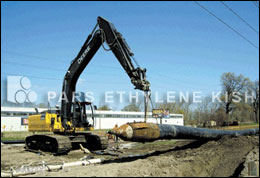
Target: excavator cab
79,115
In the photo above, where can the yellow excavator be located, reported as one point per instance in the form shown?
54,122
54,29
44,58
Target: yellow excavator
70,124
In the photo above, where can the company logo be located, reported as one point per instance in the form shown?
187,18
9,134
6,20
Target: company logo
19,90
83,55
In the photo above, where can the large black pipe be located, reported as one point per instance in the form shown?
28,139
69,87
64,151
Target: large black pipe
145,132
181,132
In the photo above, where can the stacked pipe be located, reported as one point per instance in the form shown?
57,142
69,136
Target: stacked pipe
147,132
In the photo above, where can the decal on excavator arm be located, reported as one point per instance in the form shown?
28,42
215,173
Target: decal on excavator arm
83,55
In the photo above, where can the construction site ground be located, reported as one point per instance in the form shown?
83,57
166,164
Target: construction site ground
225,157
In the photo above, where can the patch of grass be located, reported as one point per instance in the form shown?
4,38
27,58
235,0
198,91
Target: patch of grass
249,124
10,136
21,135
240,127
14,135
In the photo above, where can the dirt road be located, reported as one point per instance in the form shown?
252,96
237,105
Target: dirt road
225,157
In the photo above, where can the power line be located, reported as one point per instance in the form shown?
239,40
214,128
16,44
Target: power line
183,87
231,28
46,68
57,79
174,79
46,78
39,58
38,67
256,4
236,14
33,56
52,69
33,66
36,77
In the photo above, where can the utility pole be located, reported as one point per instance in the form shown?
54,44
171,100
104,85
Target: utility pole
145,107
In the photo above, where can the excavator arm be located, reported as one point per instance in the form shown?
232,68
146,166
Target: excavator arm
106,32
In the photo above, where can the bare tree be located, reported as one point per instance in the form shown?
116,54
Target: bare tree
232,84
131,107
185,106
135,105
171,106
104,108
254,89
42,105
203,110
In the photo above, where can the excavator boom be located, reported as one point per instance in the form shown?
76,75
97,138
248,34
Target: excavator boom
117,44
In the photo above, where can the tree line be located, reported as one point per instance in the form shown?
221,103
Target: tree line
238,101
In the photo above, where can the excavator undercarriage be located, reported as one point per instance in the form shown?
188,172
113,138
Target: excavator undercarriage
62,144
56,144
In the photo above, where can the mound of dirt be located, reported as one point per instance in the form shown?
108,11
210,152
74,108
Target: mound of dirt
222,158
212,159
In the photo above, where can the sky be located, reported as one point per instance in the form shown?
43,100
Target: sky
182,47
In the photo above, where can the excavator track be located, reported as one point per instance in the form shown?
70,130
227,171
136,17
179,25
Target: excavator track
56,144
61,144
96,142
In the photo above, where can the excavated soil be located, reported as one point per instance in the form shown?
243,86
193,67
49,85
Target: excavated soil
226,157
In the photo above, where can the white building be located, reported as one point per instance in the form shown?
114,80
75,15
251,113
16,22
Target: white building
14,118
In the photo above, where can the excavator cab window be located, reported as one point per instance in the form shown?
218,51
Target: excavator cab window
91,118
76,110
79,114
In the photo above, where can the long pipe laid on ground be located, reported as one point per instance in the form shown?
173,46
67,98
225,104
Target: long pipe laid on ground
145,132
26,170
